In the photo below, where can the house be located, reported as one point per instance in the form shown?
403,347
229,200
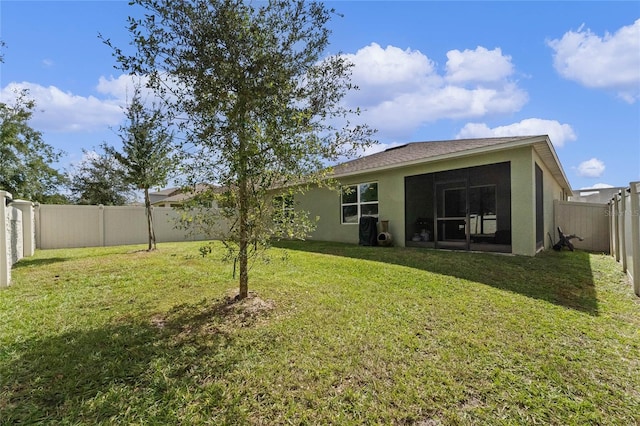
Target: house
158,198
490,194
174,197
596,195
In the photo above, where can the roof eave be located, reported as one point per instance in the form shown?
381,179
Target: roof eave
540,142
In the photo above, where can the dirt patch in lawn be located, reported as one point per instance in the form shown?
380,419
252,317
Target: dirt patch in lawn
213,317
249,309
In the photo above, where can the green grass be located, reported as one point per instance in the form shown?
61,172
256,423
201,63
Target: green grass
338,334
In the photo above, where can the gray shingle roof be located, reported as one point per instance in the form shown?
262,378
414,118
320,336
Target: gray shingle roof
424,152
415,151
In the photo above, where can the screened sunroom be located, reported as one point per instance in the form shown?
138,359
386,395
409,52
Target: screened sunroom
467,209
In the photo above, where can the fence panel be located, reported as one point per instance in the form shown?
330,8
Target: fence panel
67,226
165,221
625,219
588,220
635,234
124,225
628,237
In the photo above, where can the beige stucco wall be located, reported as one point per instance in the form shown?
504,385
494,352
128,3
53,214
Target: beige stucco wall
326,204
552,191
523,212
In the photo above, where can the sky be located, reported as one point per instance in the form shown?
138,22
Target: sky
427,70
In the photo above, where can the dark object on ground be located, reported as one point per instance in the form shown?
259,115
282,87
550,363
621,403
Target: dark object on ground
565,240
368,231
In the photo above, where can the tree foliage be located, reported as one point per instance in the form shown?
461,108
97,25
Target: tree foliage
25,159
146,156
99,179
261,106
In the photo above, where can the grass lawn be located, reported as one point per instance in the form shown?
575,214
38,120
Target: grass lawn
337,334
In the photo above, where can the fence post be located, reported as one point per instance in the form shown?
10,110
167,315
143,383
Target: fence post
617,218
624,210
634,211
37,225
101,225
28,231
612,230
5,250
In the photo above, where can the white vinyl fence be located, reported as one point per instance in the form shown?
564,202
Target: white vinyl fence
624,222
67,226
17,233
25,226
587,220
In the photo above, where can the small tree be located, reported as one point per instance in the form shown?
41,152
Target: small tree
146,152
25,159
261,105
99,179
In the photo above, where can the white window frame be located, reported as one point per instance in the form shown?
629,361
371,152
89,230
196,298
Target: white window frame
358,203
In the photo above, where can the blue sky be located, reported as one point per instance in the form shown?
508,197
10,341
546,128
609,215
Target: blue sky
427,70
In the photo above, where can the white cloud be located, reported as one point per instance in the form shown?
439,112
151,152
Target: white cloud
480,65
59,111
591,168
610,62
378,66
558,133
382,73
122,88
119,88
401,90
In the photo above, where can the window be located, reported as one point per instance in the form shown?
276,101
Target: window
283,208
359,200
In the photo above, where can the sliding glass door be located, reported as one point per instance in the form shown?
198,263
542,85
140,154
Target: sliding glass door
452,203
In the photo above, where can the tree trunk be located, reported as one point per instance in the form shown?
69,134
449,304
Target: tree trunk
243,207
152,234
244,274
243,239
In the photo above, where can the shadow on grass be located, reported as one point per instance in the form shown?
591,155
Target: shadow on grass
562,278
73,254
128,372
28,262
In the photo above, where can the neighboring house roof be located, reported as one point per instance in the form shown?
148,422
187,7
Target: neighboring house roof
424,152
179,195
166,192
